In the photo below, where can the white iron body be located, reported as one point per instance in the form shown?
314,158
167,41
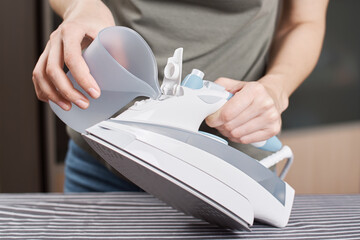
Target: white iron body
144,145
239,196
156,143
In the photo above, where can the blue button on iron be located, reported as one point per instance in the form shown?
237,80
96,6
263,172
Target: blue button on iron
194,80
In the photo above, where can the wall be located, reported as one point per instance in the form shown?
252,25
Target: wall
20,162
327,159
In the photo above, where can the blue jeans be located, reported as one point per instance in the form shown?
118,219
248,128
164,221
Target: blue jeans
83,173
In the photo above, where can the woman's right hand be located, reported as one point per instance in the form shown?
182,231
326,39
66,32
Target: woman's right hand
82,22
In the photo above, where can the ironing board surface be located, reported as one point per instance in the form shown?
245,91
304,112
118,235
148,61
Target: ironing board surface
131,215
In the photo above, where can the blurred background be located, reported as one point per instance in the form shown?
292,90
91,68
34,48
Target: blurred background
322,124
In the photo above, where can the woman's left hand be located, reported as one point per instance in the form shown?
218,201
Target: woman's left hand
253,114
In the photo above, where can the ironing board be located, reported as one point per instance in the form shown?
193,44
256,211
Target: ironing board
131,215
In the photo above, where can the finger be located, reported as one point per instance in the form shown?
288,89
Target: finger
249,127
224,133
230,85
256,125
238,103
240,120
58,77
76,63
47,89
258,107
38,73
44,90
261,135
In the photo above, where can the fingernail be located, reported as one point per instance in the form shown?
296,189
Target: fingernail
94,93
81,103
64,106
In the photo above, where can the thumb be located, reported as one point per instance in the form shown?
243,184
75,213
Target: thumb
213,120
230,85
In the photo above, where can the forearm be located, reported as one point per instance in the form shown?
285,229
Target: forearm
296,48
62,6
68,8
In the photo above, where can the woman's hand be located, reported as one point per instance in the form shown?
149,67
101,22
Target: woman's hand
253,114
82,22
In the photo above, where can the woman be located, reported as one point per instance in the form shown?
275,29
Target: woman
259,50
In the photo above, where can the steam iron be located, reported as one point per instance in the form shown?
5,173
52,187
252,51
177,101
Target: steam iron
157,145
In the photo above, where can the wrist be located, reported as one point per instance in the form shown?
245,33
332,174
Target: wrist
93,14
72,6
275,84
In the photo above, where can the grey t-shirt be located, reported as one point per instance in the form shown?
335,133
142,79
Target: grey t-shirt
223,38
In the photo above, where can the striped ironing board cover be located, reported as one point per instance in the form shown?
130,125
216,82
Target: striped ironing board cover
141,216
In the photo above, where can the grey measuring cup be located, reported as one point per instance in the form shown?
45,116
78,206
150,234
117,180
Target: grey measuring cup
123,66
